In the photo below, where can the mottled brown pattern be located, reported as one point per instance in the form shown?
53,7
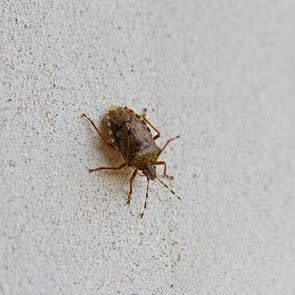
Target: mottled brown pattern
129,133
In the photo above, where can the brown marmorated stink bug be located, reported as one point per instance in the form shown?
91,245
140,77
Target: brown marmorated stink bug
129,133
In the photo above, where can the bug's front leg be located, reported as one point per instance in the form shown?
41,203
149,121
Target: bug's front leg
130,186
108,168
165,168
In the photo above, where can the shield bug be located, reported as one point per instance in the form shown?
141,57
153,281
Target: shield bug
130,134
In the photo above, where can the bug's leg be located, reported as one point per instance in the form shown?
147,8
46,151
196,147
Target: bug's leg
143,114
97,130
146,198
165,168
156,136
130,184
168,141
143,118
108,168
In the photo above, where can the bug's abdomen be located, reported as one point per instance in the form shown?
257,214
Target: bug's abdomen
132,138
113,124
129,134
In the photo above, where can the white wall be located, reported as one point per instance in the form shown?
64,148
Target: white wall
220,73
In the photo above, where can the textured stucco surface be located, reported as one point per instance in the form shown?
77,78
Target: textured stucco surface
220,73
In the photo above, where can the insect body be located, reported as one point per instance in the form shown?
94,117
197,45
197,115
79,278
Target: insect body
130,134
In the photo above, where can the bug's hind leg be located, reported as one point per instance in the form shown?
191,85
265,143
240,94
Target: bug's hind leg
108,168
158,134
96,129
144,119
143,114
130,186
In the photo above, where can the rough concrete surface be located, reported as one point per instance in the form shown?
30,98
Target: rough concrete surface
221,74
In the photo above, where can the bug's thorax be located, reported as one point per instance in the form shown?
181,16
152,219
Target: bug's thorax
144,157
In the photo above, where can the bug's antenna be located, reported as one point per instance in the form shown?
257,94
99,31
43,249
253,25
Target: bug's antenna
168,141
146,197
169,189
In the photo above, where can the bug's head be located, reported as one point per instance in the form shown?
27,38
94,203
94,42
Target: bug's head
150,171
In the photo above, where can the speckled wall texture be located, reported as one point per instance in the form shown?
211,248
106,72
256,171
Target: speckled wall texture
221,74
